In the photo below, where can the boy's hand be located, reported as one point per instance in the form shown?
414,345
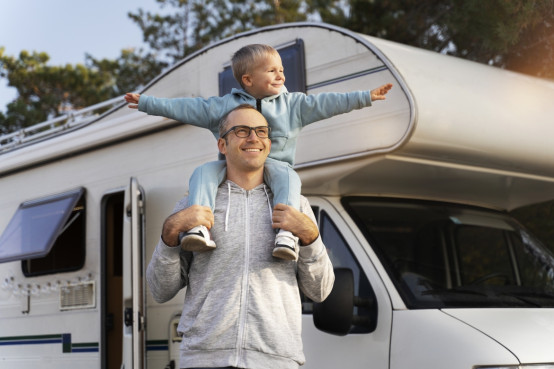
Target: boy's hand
132,99
380,92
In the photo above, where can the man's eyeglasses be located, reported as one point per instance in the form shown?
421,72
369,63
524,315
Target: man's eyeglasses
244,131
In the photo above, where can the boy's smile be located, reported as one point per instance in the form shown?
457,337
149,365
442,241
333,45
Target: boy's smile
266,78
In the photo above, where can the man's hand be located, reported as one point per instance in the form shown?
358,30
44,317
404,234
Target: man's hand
299,224
184,220
132,99
380,92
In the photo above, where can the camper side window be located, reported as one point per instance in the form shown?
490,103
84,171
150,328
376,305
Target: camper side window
47,234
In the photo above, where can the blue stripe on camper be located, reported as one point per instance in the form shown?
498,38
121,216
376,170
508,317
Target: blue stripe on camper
29,342
68,346
157,345
63,339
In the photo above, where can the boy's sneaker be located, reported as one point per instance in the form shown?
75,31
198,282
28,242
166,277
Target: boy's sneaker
197,239
285,246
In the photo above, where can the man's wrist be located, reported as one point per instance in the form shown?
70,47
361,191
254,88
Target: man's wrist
173,243
170,236
305,241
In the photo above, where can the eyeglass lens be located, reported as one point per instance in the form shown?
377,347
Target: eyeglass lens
244,131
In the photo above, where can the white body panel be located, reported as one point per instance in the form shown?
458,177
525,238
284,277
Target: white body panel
450,130
500,325
431,339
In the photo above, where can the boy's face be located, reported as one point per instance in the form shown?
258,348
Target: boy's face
266,78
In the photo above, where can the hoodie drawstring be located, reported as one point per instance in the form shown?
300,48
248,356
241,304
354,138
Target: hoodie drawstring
228,205
268,203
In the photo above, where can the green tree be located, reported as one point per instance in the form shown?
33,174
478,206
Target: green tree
133,69
193,24
516,35
45,92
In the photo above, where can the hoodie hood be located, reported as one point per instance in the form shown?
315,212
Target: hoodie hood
241,92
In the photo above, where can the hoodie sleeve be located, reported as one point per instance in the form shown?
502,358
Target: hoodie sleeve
315,271
312,108
196,111
167,272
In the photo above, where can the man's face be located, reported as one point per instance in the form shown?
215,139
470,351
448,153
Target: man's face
249,153
266,78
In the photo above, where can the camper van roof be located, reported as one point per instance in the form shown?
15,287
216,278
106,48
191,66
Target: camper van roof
447,124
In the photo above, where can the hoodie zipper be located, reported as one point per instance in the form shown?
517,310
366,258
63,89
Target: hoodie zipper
244,299
259,105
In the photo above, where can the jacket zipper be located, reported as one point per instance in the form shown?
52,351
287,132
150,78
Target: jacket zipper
259,105
244,299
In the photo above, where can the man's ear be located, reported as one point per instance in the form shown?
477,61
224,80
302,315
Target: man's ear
221,145
246,80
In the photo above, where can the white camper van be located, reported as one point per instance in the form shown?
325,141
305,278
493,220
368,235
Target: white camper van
411,195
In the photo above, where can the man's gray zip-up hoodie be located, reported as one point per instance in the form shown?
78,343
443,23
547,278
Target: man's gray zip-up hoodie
242,306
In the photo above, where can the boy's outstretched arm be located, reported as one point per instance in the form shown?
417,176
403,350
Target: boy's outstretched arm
132,99
380,92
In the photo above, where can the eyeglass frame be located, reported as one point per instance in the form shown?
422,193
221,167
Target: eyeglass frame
250,129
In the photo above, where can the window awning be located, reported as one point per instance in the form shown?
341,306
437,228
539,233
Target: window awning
36,225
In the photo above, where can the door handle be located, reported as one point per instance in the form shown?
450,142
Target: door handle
128,318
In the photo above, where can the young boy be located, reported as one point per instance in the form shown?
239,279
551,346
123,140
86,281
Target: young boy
259,71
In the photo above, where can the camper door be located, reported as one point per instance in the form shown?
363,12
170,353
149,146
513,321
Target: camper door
133,282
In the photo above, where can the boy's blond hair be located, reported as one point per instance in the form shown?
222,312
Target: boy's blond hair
248,57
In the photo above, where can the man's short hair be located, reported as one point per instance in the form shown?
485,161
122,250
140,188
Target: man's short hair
248,57
224,120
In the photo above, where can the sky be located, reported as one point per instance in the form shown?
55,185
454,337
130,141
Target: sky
68,29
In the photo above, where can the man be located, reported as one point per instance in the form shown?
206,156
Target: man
242,307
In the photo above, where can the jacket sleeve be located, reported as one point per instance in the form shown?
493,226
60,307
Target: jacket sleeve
197,111
312,108
315,271
167,272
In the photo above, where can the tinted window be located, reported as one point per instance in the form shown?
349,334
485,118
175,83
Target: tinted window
443,255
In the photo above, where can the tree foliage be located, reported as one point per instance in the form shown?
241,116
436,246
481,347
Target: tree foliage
46,91
516,35
193,24
130,71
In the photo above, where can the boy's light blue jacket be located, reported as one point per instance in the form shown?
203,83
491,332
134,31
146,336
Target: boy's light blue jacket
286,113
